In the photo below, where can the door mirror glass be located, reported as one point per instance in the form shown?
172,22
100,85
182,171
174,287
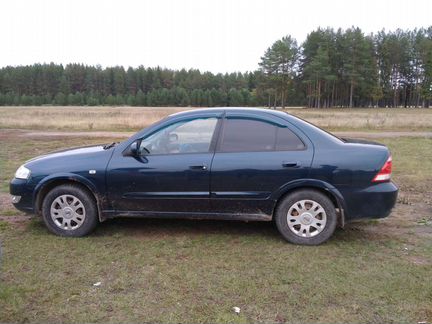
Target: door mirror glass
132,150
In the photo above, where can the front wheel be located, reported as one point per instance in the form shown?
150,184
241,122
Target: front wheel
306,217
69,210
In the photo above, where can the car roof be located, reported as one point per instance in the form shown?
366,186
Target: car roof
258,111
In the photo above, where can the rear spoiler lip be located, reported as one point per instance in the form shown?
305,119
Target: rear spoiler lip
360,141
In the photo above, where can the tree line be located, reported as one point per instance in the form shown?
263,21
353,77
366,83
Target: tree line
346,68
78,84
331,68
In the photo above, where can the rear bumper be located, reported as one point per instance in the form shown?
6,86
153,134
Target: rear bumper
375,201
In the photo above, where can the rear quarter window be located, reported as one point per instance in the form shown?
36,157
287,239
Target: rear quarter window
286,140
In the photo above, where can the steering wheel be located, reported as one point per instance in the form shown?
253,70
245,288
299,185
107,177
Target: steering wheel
145,149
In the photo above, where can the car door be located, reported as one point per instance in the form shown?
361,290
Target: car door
255,157
170,173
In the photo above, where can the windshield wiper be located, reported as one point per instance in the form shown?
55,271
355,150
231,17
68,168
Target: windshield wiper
108,146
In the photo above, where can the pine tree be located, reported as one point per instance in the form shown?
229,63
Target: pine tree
131,101
140,98
279,63
110,100
60,99
235,98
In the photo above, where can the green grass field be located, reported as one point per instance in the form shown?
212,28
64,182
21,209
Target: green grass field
197,271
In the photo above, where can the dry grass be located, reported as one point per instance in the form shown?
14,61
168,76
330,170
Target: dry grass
368,119
82,118
135,118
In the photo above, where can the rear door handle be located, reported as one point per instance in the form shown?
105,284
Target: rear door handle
198,167
289,164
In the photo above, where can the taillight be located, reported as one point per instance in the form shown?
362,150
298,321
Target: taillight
385,173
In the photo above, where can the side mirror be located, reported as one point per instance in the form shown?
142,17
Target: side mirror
132,150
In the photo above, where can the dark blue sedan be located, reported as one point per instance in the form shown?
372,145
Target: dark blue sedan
220,163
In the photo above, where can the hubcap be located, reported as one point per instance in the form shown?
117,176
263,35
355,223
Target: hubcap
306,218
68,212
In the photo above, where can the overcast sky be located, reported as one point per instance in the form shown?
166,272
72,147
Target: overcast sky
212,35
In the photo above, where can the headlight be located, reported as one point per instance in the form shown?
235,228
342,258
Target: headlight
22,173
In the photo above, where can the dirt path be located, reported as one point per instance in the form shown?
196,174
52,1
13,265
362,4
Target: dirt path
386,134
95,134
99,134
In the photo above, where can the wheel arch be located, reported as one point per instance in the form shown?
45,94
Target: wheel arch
49,183
321,186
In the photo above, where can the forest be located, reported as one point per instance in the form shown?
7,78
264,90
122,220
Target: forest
331,68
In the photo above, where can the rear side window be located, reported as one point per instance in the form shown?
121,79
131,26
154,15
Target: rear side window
286,140
251,135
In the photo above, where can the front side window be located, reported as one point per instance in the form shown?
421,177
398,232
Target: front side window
251,135
191,136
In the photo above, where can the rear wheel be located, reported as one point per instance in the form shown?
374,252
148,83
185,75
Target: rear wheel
69,210
306,217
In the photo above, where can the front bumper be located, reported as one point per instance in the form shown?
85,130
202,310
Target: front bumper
375,201
21,188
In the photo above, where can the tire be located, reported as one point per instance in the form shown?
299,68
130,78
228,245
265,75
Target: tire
306,217
70,210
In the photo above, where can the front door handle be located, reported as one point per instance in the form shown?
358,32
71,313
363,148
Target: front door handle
198,167
290,164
